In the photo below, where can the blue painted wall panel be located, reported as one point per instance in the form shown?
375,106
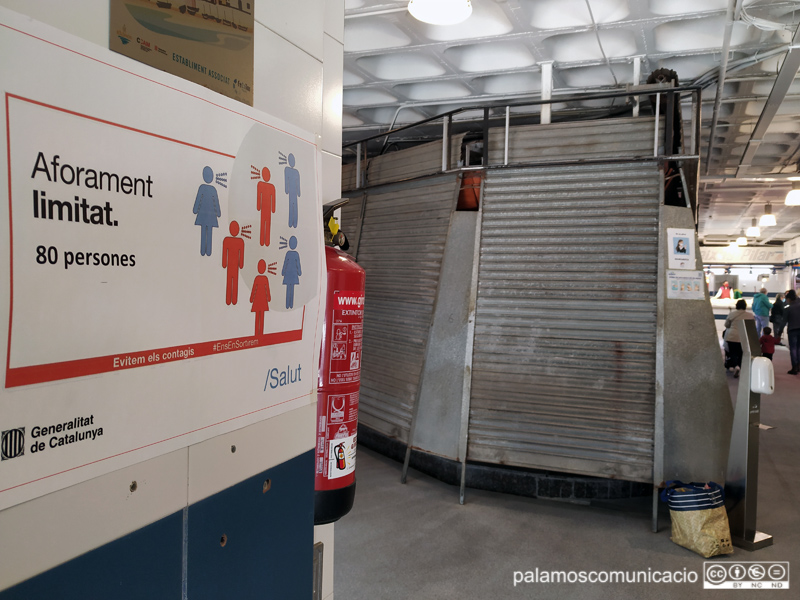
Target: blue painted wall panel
267,554
269,537
143,564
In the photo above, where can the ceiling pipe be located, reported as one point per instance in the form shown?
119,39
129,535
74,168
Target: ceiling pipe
776,97
375,13
734,7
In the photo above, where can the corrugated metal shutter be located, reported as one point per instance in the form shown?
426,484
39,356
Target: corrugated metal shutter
607,138
348,177
564,357
425,159
401,246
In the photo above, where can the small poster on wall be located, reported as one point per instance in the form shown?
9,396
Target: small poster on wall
686,285
681,248
209,42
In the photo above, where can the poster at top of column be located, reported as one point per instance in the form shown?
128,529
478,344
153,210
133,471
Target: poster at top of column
161,262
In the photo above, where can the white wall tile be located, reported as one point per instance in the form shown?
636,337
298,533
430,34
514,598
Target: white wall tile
334,19
299,22
87,19
287,82
52,529
213,467
331,177
332,96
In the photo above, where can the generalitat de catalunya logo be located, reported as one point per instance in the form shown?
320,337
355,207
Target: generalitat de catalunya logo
12,443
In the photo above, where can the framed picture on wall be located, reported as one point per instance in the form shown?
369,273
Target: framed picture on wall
209,42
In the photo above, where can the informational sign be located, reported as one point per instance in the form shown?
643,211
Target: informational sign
681,248
163,260
791,250
686,285
209,42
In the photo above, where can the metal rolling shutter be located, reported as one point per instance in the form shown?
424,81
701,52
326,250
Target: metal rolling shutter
623,138
421,160
564,357
401,246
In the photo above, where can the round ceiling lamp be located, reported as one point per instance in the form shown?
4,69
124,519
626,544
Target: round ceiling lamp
440,12
793,197
741,240
754,230
768,219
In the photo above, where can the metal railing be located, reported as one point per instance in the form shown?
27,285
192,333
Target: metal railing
671,98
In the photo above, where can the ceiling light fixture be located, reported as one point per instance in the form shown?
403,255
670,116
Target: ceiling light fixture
440,12
753,230
793,197
733,246
741,240
767,219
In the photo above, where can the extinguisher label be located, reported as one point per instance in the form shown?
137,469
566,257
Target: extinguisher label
342,457
336,445
346,337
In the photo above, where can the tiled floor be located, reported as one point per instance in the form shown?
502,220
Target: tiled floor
415,541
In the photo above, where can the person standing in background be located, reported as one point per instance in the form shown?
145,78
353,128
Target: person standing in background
761,308
732,335
724,291
776,317
767,343
792,313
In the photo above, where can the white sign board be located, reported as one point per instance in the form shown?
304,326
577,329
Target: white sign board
681,248
742,255
686,285
791,249
163,256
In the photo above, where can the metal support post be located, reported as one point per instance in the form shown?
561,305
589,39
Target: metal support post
485,162
637,77
505,145
741,487
445,144
358,165
547,91
655,135
669,124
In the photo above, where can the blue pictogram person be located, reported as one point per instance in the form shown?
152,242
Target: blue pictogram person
292,179
291,271
206,207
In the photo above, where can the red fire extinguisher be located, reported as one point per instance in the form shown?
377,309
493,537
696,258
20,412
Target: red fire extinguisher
339,382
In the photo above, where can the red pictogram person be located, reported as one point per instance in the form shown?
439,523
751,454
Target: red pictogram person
260,296
265,203
233,260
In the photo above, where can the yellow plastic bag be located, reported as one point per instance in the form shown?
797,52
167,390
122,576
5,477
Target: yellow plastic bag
699,520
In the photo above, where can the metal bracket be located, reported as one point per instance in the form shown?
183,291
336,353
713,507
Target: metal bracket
319,551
